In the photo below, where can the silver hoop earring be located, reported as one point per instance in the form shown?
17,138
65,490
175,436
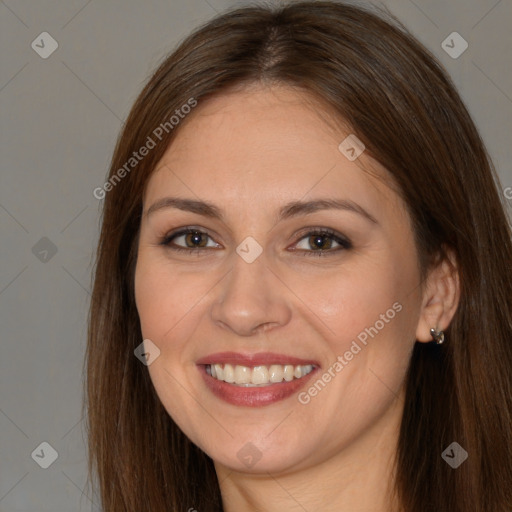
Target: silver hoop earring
437,336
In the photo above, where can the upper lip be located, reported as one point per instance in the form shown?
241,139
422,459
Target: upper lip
258,359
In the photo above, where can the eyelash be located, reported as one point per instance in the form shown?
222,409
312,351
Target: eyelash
341,240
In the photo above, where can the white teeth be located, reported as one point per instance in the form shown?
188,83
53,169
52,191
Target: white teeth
242,374
219,371
276,373
229,373
258,375
288,373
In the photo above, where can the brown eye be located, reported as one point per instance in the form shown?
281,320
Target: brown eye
195,239
322,243
188,240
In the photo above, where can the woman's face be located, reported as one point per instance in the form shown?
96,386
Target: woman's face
321,325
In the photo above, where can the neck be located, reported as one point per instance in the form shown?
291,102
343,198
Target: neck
357,479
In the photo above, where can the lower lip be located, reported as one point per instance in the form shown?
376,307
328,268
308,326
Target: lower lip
253,396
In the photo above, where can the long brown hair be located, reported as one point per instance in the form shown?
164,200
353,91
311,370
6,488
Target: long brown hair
372,74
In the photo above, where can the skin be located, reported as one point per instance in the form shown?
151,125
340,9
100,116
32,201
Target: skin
250,152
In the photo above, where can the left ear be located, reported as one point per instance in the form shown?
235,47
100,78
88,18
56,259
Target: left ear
440,299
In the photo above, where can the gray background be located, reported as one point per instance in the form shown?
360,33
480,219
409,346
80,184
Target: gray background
60,120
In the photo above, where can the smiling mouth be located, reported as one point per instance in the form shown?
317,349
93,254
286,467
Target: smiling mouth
257,376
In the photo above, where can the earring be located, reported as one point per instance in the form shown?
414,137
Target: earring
438,336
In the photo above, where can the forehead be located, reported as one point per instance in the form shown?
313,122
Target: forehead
265,142
260,119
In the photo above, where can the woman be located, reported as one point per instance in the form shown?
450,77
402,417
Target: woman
302,297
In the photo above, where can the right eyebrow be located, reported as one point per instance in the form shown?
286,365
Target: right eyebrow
190,205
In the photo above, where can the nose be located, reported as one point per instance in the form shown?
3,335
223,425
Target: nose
251,299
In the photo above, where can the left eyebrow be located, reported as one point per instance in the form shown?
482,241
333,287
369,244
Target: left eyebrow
296,208
290,210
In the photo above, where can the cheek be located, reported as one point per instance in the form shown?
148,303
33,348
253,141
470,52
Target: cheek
368,319
169,309
163,299
153,296
352,301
